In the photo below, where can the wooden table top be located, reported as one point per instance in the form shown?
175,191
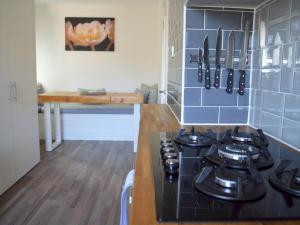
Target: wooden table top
155,118
108,98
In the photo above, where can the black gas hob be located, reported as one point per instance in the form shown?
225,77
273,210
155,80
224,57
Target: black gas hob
228,176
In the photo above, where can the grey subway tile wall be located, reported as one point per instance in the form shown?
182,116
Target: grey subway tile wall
275,102
228,20
192,96
195,20
175,65
287,68
201,115
216,97
290,132
295,7
214,106
232,115
291,110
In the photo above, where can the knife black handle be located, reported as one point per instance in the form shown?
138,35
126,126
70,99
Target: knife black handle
229,81
217,76
241,90
207,77
200,72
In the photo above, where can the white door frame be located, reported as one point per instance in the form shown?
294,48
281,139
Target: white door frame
165,53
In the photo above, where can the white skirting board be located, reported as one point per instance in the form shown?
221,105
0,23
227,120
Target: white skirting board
110,127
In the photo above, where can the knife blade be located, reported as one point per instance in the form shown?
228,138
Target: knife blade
229,62
206,62
243,60
218,56
200,71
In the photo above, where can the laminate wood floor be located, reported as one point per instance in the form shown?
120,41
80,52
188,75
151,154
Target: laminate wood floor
77,184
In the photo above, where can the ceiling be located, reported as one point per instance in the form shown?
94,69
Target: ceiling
226,3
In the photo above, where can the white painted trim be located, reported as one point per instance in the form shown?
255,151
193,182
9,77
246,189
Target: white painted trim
251,71
183,64
174,100
174,113
215,124
220,8
216,106
202,29
264,4
165,53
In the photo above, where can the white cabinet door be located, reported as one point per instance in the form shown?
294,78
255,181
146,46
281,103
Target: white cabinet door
22,63
7,154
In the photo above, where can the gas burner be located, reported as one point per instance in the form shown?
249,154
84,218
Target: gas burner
236,136
286,178
241,136
195,139
236,154
229,184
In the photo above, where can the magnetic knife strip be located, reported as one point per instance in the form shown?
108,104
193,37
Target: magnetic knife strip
229,60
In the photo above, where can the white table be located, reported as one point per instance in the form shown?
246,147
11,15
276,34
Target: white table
56,98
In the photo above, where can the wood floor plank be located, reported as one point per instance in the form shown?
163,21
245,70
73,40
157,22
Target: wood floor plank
77,184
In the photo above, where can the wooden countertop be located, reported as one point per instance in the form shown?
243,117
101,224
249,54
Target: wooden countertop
155,118
108,98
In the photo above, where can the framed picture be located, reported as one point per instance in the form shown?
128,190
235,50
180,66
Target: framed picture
89,34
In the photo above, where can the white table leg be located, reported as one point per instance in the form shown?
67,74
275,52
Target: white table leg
48,129
136,116
57,124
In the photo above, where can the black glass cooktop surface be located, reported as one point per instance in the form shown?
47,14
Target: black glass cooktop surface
177,199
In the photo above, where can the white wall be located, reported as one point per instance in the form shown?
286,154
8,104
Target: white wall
137,56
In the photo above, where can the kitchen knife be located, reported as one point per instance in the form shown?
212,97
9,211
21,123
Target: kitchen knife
218,56
243,60
200,72
206,62
229,62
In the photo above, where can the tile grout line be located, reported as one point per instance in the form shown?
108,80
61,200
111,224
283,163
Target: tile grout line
204,19
282,116
224,9
219,114
211,29
251,71
242,18
183,65
214,106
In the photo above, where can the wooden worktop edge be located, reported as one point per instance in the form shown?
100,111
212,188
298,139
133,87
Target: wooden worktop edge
156,118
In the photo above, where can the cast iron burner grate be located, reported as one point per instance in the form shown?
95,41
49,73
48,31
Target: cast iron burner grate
235,152
195,139
229,184
217,154
236,136
238,152
286,178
